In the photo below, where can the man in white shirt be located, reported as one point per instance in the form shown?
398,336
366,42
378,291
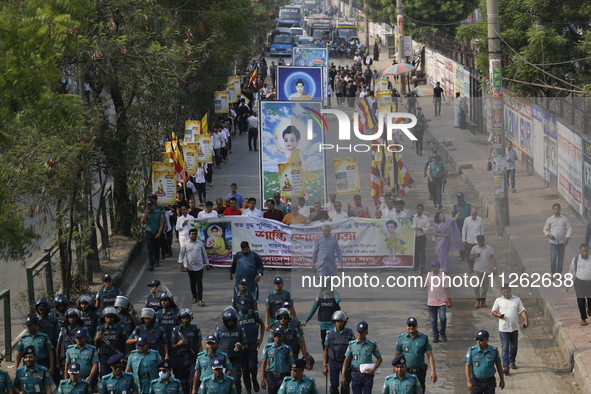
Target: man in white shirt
471,229
182,224
208,213
192,258
216,141
580,269
508,308
329,206
421,226
389,211
253,131
338,214
558,230
252,210
304,210
483,257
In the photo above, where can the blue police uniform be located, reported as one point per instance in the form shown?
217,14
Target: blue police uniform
32,382
153,302
91,321
185,356
278,362
483,367
157,338
167,320
247,266
116,335
5,382
50,326
204,363
82,386
67,338
250,323
212,386
171,386
248,297
337,343
291,337
106,297
409,384
414,350
42,345
326,304
361,353
143,367
60,316
275,301
126,319
227,339
85,357
124,384
305,385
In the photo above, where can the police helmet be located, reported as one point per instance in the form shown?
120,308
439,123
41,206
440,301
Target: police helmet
340,316
147,312
85,299
166,295
186,312
311,360
229,308
282,312
109,312
229,314
42,303
122,301
60,299
73,312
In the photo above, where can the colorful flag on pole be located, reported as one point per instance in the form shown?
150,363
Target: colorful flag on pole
253,79
404,178
204,124
375,181
367,120
179,159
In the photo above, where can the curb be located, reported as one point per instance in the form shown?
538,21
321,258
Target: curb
124,266
567,348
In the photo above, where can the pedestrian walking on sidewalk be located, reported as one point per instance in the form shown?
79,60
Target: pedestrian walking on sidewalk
464,208
438,300
483,257
471,229
435,174
508,308
558,230
511,156
580,269
447,237
457,110
438,96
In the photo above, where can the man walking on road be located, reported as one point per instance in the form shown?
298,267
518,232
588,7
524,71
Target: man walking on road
480,376
437,97
558,230
253,131
325,248
482,255
511,156
508,308
154,221
464,208
248,265
192,258
471,229
580,269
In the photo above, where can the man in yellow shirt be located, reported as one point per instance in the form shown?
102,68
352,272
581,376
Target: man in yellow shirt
295,217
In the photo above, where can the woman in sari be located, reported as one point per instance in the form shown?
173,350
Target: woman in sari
447,237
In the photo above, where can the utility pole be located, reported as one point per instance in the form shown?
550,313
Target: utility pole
366,31
496,122
400,34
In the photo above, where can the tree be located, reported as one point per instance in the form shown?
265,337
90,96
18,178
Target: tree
540,41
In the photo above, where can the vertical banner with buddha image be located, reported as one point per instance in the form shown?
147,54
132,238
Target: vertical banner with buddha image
204,148
164,182
346,174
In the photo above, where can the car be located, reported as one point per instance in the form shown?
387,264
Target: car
306,41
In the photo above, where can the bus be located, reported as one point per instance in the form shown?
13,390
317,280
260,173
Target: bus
281,43
291,16
319,29
346,29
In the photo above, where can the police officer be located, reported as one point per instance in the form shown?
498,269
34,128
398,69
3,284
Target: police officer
415,346
359,352
186,344
88,314
252,324
142,364
47,323
167,317
67,338
244,294
110,338
292,335
217,382
44,349
232,341
401,382
203,363
75,384
335,345
152,301
165,384
157,338
127,315
6,384
480,373
106,295
32,378
293,322
297,383
327,302
60,305
117,382
276,358
275,300
85,355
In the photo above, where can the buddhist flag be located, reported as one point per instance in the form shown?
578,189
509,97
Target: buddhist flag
253,79
179,159
404,180
366,120
204,124
375,181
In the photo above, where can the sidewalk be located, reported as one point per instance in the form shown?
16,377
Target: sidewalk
466,154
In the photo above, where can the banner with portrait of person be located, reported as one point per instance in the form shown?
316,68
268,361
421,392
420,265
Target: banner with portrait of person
291,132
192,128
364,243
312,57
299,83
204,148
220,102
164,182
346,174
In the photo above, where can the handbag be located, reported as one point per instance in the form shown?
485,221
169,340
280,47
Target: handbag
489,166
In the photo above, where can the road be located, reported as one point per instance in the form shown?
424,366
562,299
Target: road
386,310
